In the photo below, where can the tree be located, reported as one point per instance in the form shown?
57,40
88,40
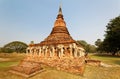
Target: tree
86,46
5,50
111,42
98,42
82,42
90,48
15,46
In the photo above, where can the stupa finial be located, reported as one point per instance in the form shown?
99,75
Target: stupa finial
60,9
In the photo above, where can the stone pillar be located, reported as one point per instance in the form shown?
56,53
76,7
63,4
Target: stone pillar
43,51
59,53
34,54
37,51
27,51
82,51
46,50
78,51
75,50
71,50
39,54
50,52
60,50
53,51
30,52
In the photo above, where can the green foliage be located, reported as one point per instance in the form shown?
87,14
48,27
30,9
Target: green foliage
82,42
15,46
86,46
90,48
111,42
6,50
32,42
1,49
98,42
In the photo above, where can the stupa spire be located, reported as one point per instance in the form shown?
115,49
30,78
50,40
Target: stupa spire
60,9
60,15
59,33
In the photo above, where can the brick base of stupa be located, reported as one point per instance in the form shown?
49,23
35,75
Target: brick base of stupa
31,66
71,65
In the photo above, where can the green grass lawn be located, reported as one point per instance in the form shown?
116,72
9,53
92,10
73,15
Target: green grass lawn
91,72
7,64
115,60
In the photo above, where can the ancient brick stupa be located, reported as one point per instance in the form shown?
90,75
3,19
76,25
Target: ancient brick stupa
58,50
58,44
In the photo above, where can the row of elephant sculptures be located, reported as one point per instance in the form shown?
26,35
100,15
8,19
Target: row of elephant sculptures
60,50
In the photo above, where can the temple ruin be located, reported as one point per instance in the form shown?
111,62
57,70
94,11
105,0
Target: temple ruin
58,44
58,50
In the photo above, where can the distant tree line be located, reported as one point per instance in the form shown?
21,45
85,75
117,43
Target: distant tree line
15,46
88,47
111,42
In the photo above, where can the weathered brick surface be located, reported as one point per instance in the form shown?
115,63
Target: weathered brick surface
72,65
27,67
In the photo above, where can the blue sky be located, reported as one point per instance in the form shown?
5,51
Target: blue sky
32,20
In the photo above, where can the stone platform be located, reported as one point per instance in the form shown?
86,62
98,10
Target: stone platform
27,68
71,65
31,66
